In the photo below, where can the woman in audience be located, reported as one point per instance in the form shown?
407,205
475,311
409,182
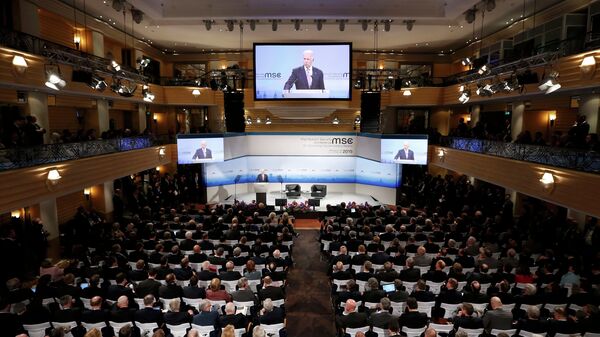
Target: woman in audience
215,291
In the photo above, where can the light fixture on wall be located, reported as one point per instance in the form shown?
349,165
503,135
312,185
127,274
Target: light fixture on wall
550,83
77,39
465,96
162,152
552,118
155,117
466,62
157,169
19,64
268,121
547,180
441,153
335,121
196,92
15,214
87,192
52,178
406,93
588,64
342,24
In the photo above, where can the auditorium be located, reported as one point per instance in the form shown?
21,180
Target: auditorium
358,168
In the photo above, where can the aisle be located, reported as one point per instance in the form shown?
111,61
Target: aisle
308,303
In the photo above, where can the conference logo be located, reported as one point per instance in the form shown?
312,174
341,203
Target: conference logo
342,141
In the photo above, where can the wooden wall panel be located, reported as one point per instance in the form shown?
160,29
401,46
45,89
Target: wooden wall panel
420,97
74,101
118,117
28,186
8,96
575,190
56,28
66,205
345,116
183,95
61,118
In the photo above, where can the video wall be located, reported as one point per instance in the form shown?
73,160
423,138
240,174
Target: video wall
196,148
309,158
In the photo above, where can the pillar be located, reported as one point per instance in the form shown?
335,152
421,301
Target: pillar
577,216
513,198
588,106
49,217
97,44
101,199
216,119
102,115
141,117
516,122
475,114
37,105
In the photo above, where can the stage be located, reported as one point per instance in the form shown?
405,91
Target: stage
332,198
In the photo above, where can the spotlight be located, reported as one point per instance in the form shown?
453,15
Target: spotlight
484,70
465,96
547,179
137,15
54,79
490,5
387,25
230,24
248,121
258,120
196,92
335,121
364,24
252,24
147,95
357,120
296,24
122,89
97,83
274,23
409,24
320,24
118,5
19,61
208,24
115,66
406,92
587,66
461,88
342,24
268,121
143,62
470,15
466,61
550,83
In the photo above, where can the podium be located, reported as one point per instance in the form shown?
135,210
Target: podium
306,93
261,192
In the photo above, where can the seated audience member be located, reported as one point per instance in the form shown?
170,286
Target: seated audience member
473,294
207,316
171,289
175,316
372,293
270,314
184,272
382,316
410,273
150,286
148,314
229,274
497,317
270,291
215,293
560,323
421,294
466,318
193,290
456,272
420,259
95,314
350,317
244,293
238,321
399,294
533,323
387,273
365,273
207,273
121,311
437,275
250,271
412,318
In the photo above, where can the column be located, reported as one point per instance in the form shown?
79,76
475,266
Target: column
141,117
101,115
37,105
49,217
475,112
516,122
513,198
578,217
97,44
102,199
588,106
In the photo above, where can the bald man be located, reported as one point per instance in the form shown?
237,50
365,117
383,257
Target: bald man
350,318
203,152
405,153
497,317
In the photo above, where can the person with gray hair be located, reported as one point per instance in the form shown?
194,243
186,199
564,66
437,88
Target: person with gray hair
533,323
147,314
207,316
372,293
244,293
259,332
382,317
174,316
270,314
239,321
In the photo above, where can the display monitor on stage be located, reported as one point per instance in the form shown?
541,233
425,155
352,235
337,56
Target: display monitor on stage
280,202
319,71
314,202
409,149
199,148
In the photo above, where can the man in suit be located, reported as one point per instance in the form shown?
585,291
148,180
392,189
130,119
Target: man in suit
207,316
350,318
171,289
115,291
148,286
148,314
262,177
270,314
244,293
203,152
465,318
382,317
405,153
238,321
270,291
413,319
307,76
497,318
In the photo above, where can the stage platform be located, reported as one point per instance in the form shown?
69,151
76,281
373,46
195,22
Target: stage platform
333,198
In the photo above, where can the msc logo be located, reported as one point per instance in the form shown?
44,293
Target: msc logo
342,140
272,75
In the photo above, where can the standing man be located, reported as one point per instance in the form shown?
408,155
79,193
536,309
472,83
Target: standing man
307,76
262,177
405,153
203,152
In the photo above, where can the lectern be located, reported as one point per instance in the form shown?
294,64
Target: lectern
261,192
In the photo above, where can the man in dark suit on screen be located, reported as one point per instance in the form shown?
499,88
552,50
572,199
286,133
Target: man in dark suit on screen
203,152
262,177
307,76
405,153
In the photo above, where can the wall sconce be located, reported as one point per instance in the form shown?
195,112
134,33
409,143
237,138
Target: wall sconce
158,169
335,121
15,214
162,152
196,92
406,93
155,117
468,119
588,65
441,153
53,178
552,118
77,40
19,64
547,180
87,192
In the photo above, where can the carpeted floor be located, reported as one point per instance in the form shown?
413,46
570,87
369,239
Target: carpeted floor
308,304
307,224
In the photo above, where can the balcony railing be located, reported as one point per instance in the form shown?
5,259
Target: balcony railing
569,158
14,158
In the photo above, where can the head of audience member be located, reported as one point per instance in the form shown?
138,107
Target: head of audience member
411,304
174,305
205,306
385,304
122,302
350,306
466,309
149,301
373,283
529,289
258,331
430,332
268,305
242,283
410,263
533,313
229,308
228,331
495,303
215,284
96,303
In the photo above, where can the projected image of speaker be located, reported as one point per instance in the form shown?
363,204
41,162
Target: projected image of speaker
280,202
370,106
234,111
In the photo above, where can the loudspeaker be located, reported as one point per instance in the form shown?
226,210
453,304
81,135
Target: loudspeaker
314,202
81,76
280,202
234,111
370,106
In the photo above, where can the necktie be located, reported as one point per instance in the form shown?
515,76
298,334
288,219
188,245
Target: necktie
308,77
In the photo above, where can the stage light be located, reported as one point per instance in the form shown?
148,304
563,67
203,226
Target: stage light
208,24
320,24
550,83
409,24
364,24
342,24
465,96
547,179
466,61
97,83
196,92
87,192
274,23
143,62
252,24
230,24
137,15
77,40
147,95
19,61
588,64
54,79
53,176
357,120
118,5
406,93
258,120
248,121
387,25
470,15
490,5
268,121
115,66
335,121
484,70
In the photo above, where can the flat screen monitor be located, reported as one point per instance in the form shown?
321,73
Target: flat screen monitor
280,202
199,148
405,149
287,71
389,288
314,202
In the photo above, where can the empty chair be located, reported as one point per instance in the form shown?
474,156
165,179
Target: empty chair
318,191
441,327
340,284
510,332
272,329
292,190
229,285
524,333
146,328
36,330
178,330
414,332
203,331
425,307
248,304
397,307
353,331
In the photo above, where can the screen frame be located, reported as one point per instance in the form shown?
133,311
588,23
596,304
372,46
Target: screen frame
350,87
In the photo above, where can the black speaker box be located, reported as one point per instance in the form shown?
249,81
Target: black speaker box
280,202
81,76
234,111
370,106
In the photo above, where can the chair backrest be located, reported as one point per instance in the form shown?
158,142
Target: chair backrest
146,328
435,287
68,325
36,330
449,309
563,334
353,331
118,325
86,302
510,332
425,307
413,332
272,329
473,332
203,330
591,334
479,306
441,327
398,307
371,305
524,333
278,303
194,302
380,332
229,285
179,330
340,284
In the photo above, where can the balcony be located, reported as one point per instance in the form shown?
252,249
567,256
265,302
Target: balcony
560,157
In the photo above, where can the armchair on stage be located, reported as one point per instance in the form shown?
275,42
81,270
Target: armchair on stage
292,190
318,191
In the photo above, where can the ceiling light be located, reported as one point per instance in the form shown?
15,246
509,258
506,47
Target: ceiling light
274,23
196,92
230,24
470,15
406,93
268,121
490,5
547,179
118,5
208,24
137,15
143,62
320,24
364,24
387,25
252,24
409,24
19,61
335,121
342,24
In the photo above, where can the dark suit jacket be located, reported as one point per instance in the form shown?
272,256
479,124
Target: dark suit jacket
262,178
402,155
206,318
115,291
146,287
497,319
352,320
298,79
176,318
467,322
121,315
413,320
170,291
272,317
410,275
94,316
149,315
200,155
274,293
381,319
66,315
193,292
237,320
